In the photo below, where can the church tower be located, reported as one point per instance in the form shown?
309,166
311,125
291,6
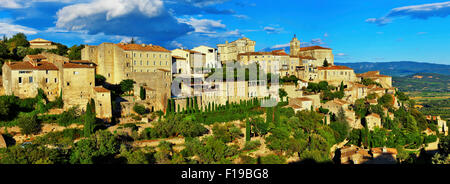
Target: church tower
295,46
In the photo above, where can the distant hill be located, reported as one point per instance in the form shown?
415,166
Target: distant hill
423,82
399,68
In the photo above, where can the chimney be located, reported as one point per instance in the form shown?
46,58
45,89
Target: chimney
384,149
143,45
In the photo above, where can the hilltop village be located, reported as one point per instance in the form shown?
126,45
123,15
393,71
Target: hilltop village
179,105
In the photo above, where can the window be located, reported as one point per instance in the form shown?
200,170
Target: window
46,80
56,80
20,80
68,83
46,71
75,73
30,79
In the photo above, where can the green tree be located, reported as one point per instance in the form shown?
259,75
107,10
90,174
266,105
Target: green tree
325,63
248,130
282,93
99,80
127,85
89,119
29,124
75,52
142,93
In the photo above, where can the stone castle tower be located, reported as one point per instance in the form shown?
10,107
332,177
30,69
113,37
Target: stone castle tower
295,46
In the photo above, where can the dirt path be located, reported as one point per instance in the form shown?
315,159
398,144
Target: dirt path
45,129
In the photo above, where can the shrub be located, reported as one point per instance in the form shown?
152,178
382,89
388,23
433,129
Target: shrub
29,124
251,145
140,109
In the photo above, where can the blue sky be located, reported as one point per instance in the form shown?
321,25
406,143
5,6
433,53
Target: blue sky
357,30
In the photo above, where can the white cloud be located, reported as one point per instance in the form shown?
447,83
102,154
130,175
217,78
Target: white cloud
423,11
241,16
110,8
204,25
11,29
272,30
16,4
281,46
146,19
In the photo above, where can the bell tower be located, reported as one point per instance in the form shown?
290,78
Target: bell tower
295,46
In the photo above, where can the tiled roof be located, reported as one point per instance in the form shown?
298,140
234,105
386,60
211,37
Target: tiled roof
313,48
371,74
75,65
140,47
43,65
177,57
374,115
303,99
342,102
388,150
101,89
164,70
37,56
81,61
334,68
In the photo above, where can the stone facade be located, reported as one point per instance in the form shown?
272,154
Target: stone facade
300,104
40,43
269,62
384,80
196,60
75,81
212,56
373,120
2,142
229,51
117,62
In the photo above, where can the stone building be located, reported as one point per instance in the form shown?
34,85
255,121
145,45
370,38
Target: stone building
300,104
40,43
117,62
336,105
354,155
269,62
180,66
295,46
196,60
384,80
102,98
320,54
441,124
383,155
336,74
372,121
229,51
74,80
157,85
2,142
77,83
212,56
355,91
23,79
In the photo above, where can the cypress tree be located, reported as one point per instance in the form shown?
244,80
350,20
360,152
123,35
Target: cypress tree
247,131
